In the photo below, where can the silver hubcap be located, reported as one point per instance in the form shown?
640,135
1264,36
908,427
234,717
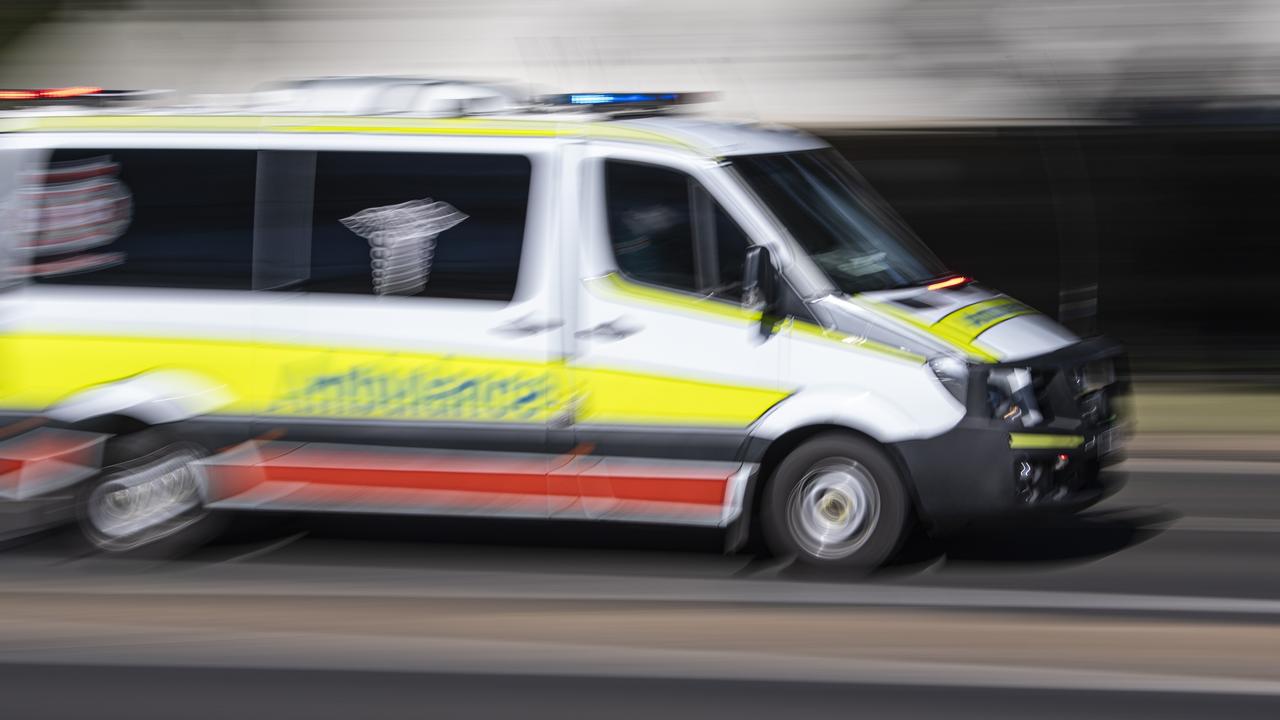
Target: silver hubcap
833,510
146,501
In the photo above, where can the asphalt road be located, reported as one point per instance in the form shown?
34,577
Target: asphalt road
1162,602
113,692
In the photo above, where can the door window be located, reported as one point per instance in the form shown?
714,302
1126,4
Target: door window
667,230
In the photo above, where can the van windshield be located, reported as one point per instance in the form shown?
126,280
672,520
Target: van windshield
839,221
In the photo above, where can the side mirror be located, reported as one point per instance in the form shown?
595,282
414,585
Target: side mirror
760,286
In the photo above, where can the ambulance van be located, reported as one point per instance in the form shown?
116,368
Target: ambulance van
395,295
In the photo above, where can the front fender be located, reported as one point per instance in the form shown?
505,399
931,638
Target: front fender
879,416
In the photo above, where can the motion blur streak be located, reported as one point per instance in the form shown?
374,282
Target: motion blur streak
814,61
336,477
1113,165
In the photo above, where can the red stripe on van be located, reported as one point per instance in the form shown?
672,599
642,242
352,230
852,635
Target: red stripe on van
324,470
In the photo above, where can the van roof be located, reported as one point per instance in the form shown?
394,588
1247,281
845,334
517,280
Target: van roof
710,138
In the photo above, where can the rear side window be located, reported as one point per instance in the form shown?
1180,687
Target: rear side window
142,218
418,224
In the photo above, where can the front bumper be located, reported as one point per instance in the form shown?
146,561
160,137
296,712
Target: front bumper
976,471
986,468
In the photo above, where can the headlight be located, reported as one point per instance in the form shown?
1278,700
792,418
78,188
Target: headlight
953,374
1012,397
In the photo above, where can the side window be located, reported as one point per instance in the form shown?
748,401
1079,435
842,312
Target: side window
666,230
142,218
731,252
431,225
651,224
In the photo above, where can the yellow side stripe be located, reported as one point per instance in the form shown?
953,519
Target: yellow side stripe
854,342
1039,441
301,380
619,287
609,396
467,126
958,339
972,320
614,284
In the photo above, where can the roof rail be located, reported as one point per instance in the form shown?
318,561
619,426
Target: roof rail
386,95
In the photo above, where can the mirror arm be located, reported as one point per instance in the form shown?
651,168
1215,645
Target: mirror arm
760,286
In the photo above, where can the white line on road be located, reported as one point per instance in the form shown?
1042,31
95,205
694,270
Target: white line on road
1199,467
1225,524
1191,523
267,549
347,651
266,579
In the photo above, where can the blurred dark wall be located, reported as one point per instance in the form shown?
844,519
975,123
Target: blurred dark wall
1176,226
19,16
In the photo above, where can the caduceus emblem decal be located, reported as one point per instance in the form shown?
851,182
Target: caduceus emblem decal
402,241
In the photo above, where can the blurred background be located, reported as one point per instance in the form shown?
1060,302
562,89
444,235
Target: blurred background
1114,163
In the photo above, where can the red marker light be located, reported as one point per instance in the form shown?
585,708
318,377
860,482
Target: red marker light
49,93
949,282
67,92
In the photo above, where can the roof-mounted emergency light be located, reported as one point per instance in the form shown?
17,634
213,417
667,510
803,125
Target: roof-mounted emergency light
49,93
77,95
620,98
623,101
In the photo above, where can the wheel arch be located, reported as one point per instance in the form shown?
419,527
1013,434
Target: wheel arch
781,446
155,397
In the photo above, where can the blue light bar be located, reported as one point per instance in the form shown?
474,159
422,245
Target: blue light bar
622,102
622,98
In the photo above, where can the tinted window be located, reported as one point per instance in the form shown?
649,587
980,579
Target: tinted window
434,225
145,218
731,251
651,225
839,221
666,230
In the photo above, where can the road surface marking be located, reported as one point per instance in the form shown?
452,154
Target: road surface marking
1199,467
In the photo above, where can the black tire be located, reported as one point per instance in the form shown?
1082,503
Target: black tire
153,458
837,501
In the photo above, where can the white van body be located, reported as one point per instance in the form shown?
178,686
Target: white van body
581,390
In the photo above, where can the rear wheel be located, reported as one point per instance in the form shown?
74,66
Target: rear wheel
836,501
147,495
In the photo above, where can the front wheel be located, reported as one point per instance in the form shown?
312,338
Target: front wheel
836,501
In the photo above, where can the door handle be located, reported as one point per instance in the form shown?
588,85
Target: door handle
615,329
525,326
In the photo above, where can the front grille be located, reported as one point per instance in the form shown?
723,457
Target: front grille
1095,408
1060,399
1081,388
1042,385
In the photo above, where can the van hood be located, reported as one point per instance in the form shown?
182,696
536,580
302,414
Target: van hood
971,321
